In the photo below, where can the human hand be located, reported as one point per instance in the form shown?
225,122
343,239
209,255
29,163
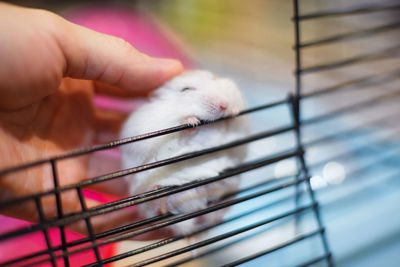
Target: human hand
50,70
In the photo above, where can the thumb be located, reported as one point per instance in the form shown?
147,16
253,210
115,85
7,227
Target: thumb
100,57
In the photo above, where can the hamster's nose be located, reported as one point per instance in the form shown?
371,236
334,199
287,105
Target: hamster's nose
223,105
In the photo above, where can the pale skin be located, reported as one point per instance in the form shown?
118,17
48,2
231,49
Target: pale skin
50,70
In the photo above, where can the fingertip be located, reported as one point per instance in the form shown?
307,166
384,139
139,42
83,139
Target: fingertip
167,69
172,66
150,74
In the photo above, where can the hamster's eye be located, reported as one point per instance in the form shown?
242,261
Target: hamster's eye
187,89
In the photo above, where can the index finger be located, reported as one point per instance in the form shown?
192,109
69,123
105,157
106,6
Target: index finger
100,57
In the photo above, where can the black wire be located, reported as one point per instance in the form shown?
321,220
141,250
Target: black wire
267,251
351,35
359,83
381,54
353,152
359,130
45,233
365,104
296,117
364,9
60,212
89,227
295,108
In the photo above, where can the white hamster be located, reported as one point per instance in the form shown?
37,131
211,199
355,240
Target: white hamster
186,99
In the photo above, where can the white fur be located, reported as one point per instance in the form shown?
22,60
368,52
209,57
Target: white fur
168,107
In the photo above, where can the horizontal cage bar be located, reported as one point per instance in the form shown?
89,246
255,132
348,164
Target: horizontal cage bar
353,151
355,130
361,105
364,9
378,55
270,250
351,35
359,83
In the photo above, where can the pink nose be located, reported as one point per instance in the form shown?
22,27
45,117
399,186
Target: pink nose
223,105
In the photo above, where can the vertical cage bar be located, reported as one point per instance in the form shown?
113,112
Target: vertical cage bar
296,111
296,103
89,227
45,233
60,213
297,46
316,210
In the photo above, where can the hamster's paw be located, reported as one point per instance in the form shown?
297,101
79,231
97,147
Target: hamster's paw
234,112
191,120
185,228
160,204
187,201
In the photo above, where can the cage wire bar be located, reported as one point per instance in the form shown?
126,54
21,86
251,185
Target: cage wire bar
297,117
93,241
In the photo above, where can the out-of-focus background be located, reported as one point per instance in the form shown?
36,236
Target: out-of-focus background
354,157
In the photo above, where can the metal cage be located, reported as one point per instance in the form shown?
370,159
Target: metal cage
299,182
